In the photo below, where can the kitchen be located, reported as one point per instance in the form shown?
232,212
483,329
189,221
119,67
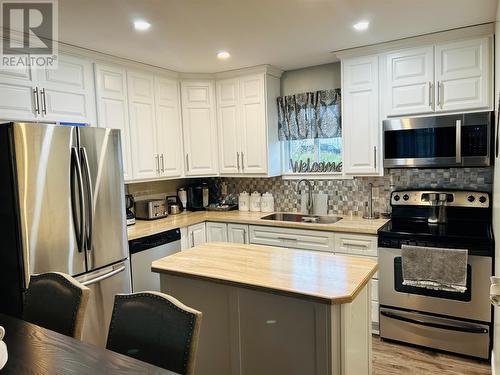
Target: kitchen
198,153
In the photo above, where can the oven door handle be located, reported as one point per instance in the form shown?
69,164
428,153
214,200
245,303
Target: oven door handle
462,328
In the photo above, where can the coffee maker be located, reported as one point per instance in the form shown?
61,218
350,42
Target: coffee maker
129,203
197,197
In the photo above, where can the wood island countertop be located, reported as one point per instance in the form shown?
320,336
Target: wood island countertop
322,277
144,228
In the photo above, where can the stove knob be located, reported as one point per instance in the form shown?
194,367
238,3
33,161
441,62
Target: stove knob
406,197
482,199
396,198
471,198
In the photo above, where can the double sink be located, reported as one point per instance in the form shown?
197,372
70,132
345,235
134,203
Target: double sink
298,218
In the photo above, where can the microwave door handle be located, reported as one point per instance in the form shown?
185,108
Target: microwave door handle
459,328
458,139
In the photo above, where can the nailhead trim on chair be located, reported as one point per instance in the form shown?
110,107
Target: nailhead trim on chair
170,304
57,277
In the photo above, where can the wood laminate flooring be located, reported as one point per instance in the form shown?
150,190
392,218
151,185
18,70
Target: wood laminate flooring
391,358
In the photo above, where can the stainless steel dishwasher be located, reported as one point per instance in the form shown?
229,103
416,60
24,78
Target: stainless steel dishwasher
144,251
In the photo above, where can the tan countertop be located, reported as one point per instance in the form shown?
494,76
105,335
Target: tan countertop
322,277
144,228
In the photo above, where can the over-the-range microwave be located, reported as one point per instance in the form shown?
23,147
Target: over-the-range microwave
459,140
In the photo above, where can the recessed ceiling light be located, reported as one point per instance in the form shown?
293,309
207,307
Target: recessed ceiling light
141,25
361,26
223,55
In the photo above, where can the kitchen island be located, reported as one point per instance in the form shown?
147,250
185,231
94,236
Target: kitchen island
269,310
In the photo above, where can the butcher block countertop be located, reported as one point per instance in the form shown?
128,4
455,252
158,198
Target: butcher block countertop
317,276
144,228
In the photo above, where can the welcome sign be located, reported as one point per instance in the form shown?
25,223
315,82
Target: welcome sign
301,166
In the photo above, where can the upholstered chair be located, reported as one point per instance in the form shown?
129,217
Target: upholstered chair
155,328
58,302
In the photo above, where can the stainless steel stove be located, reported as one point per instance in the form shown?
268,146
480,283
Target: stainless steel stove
450,321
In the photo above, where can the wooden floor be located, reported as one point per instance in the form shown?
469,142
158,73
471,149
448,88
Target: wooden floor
391,358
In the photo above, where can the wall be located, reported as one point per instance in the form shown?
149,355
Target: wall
313,78
346,197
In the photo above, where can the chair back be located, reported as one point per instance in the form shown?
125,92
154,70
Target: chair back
57,302
155,328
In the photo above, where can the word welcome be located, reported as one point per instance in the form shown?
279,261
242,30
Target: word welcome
300,166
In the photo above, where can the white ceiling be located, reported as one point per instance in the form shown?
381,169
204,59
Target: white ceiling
186,34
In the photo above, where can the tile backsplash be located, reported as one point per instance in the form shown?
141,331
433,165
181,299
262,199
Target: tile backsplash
344,196
350,196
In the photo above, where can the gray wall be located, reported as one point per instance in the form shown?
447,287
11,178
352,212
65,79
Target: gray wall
313,78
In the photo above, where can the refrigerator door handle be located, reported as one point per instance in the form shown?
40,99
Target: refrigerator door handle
78,223
90,199
103,277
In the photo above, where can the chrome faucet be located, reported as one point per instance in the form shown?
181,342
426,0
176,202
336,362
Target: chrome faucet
309,197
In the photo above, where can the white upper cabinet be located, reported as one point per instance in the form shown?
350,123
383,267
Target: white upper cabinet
112,108
146,160
65,94
168,126
409,81
360,115
228,115
463,75
248,125
199,127
447,77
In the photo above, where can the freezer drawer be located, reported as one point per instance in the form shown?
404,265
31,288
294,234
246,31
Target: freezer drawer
104,284
434,332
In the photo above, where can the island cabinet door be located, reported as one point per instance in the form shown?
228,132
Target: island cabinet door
282,335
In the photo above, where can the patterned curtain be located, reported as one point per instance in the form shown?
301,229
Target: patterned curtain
309,115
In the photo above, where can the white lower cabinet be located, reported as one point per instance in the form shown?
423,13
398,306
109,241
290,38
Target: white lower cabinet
238,233
216,232
292,238
356,244
196,235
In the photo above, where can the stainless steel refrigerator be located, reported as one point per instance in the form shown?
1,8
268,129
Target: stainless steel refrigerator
62,203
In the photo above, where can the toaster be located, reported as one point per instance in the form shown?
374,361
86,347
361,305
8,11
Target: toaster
151,209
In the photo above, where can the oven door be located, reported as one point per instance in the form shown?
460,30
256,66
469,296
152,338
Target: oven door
441,141
474,304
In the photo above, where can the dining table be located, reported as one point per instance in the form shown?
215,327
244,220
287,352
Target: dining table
36,350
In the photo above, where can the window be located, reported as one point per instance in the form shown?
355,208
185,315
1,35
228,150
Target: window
320,155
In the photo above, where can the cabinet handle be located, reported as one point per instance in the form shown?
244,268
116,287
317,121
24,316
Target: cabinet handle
187,162
37,104
238,160
375,156
430,94
439,95
157,159
458,141
162,164
242,163
44,102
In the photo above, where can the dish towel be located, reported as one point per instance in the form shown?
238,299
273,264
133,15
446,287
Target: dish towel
434,268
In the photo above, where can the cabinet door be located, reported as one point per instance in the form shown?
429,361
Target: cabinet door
237,233
18,99
216,232
253,125
197,235
361,125
463,79
112,108
229,124
168,126
67,93
145,156
409,81
200,128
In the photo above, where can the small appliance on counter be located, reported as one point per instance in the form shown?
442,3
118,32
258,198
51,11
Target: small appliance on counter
197,197
129,203
151,209
174,205
182,194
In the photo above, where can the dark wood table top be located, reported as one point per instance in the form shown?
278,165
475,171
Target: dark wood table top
36,350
